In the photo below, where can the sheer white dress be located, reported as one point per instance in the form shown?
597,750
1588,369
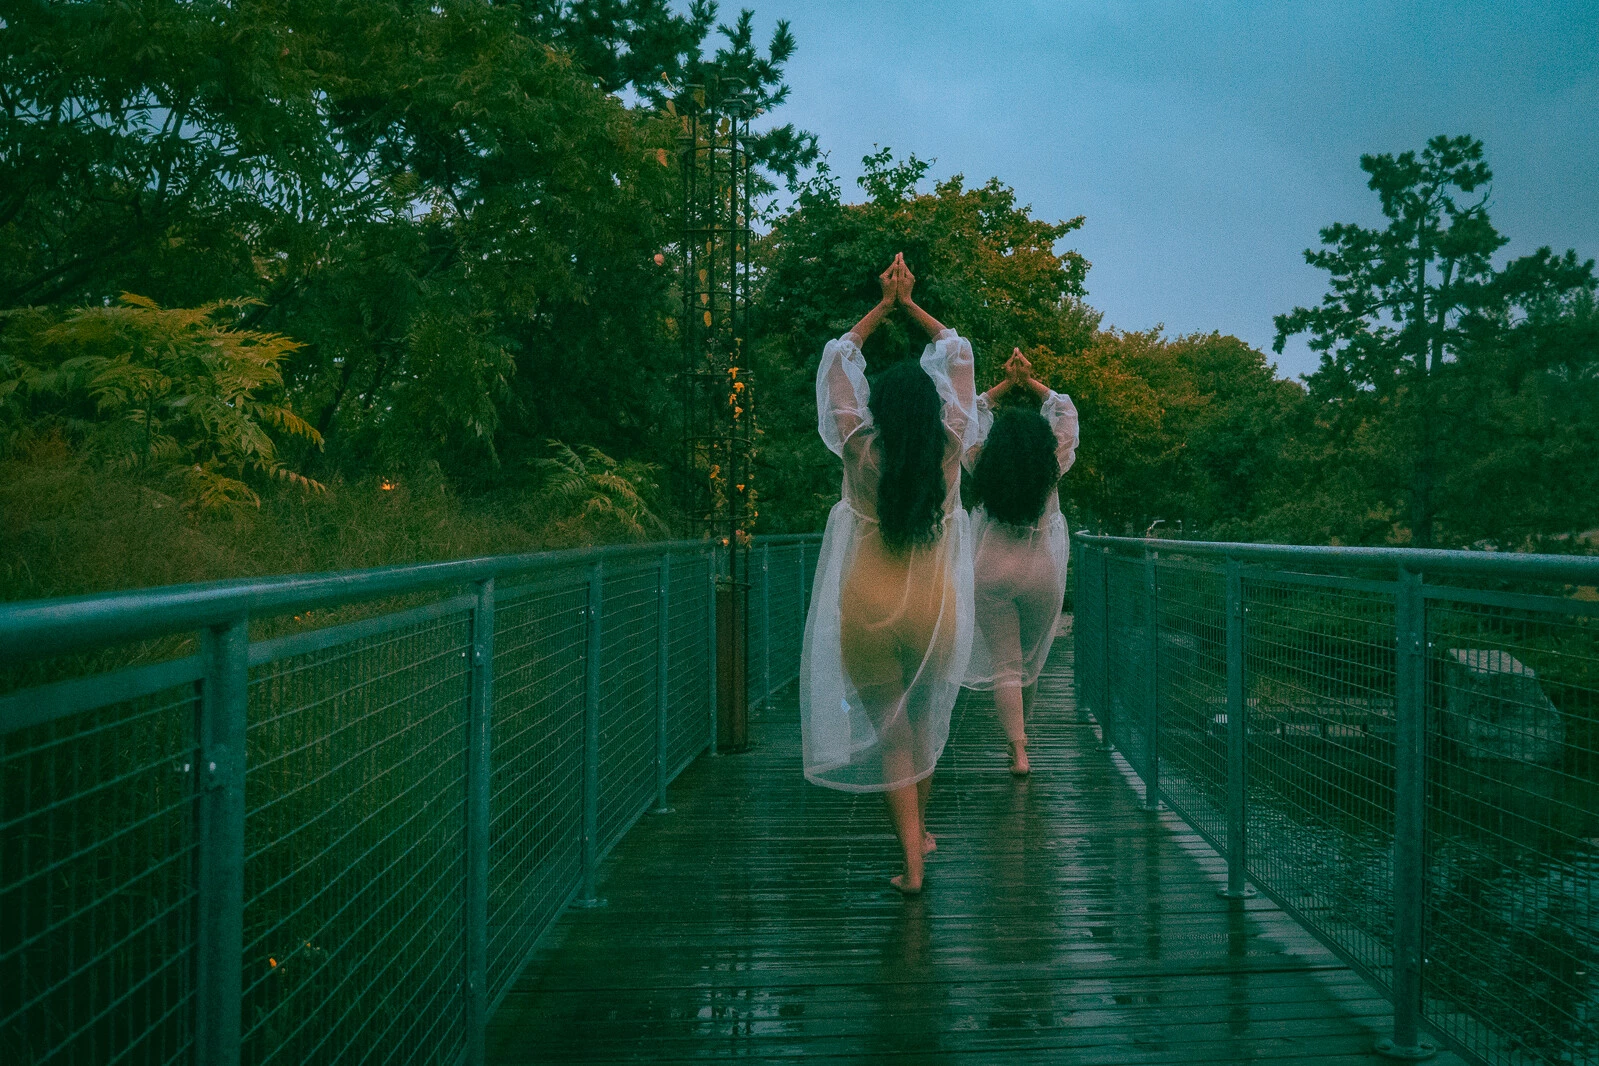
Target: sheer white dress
1019,572
888,634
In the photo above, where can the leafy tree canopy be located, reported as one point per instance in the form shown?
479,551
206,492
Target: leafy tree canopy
1414,332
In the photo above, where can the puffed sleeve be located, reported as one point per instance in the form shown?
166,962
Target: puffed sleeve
1061,414
985,423
948,361
842,394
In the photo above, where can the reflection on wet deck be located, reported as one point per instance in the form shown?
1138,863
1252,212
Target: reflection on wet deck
1061,923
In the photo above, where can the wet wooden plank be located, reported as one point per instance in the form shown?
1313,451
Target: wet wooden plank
1061,923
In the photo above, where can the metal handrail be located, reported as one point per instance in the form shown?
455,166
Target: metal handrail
170,747
1155,674
37,628
1524,566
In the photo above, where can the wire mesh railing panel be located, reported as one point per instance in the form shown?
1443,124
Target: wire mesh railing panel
1088,633
1192,694
1129,618
536,786
785,614
1319,670
354,850
357,811
1512,874
627,697
97,846
758,647
688,651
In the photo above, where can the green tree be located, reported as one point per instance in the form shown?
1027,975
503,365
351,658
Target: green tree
1404,304
1189,431
180,393
449,205
984,265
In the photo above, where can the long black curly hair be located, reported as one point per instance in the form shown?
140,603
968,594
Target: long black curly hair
1017,469
910,491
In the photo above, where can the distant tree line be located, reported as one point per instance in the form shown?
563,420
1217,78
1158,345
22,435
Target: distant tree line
1457,403
253,251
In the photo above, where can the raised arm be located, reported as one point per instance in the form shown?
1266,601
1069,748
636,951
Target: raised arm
1057,408
905,282
889,279
842,394
1016,368
1061,414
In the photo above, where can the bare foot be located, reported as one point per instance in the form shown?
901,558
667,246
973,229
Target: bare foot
1018,762
900,882
929,843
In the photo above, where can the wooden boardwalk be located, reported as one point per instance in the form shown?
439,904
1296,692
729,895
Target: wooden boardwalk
1061,923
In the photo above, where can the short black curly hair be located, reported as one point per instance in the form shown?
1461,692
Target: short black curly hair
1017,468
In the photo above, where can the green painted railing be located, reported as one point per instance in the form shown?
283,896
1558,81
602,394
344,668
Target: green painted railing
1399,747
342,843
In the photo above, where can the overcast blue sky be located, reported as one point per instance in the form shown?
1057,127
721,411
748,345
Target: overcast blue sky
1208,142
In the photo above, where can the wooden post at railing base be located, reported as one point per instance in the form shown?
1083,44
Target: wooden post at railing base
589,896
1152,687
1237,797
732,668
1410,814
219,891
663,618
480,712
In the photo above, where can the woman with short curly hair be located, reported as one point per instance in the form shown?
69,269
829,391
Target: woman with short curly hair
1018,544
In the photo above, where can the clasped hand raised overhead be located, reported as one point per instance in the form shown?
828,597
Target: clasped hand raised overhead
897,282
1018,371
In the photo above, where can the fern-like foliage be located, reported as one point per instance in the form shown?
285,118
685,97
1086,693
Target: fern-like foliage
173,390
585,483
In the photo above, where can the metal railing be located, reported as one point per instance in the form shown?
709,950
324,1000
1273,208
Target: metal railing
1399,747
341,843
782,569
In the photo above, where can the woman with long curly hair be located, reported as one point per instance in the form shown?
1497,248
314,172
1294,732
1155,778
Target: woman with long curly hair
1018,544
890,624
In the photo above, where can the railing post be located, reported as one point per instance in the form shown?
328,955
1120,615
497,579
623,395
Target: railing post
1410,798
1237,856
1080,696
766,622
219,933
1152,696
710,644
663,619
480,713
1107,713
591,739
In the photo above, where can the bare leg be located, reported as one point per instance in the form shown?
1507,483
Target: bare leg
907,819
1008,701
904,804
924,788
